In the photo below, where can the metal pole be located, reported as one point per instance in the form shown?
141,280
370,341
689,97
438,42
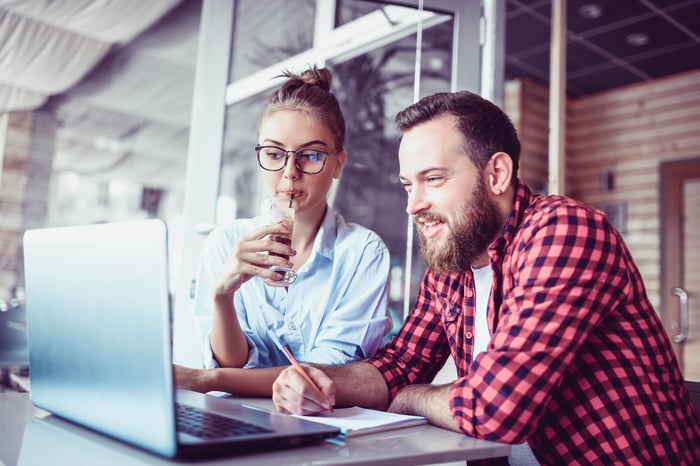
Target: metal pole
557,100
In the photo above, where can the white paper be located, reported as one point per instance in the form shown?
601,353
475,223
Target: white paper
356,420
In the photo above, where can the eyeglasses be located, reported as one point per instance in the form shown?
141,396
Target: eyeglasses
309,161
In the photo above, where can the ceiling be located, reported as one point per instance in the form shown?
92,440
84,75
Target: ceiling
118,74
609,44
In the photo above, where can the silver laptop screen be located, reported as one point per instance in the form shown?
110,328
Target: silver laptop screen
98,324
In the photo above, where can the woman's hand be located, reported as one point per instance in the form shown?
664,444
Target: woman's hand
198,380
253,255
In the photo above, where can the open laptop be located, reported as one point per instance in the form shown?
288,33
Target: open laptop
100,347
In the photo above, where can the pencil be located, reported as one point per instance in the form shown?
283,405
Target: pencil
303,373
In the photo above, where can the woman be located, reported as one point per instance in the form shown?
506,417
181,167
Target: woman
336,311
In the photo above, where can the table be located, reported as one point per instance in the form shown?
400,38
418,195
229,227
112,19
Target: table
29,437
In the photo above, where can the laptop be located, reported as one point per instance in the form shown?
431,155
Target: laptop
100,347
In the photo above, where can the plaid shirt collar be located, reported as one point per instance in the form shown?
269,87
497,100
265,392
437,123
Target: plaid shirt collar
498,247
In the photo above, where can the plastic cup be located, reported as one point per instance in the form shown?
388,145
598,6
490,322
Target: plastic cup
275,213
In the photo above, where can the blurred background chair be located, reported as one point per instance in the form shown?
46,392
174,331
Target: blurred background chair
14,353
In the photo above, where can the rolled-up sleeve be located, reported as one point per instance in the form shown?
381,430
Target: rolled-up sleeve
420,348
214,253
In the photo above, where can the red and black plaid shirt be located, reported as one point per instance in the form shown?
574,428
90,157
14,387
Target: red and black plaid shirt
578,364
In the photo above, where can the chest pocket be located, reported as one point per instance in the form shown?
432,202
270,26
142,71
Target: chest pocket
450,311
454,320
450,316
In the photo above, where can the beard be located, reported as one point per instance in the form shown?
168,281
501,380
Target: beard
474,228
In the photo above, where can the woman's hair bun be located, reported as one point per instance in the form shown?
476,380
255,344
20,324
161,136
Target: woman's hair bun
310,91
319,77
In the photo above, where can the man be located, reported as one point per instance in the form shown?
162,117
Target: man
577,362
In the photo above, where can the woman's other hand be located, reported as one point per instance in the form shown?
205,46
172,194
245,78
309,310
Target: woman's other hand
198,380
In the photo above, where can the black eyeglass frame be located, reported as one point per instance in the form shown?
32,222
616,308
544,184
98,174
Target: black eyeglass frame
326,153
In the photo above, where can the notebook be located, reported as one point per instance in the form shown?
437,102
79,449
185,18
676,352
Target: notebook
100,347
360,421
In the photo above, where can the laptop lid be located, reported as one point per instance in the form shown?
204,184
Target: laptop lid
99,334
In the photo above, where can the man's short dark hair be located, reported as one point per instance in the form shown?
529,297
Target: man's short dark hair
485,128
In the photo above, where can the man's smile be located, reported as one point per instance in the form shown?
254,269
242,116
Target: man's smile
431,228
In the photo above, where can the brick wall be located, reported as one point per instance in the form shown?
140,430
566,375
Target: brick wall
26,173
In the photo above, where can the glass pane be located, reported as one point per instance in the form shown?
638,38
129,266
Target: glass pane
349,10
110,147
267,32
372,85
239,170
372,88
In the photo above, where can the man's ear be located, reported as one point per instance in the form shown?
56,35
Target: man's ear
500,171
339,160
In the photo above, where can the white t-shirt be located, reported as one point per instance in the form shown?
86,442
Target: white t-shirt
482,282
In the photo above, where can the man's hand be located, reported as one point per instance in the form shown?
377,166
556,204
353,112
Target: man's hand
292,394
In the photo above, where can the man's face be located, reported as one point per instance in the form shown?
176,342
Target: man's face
447,197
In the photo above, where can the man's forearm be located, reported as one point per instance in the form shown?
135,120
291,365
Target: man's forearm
358,384
429,401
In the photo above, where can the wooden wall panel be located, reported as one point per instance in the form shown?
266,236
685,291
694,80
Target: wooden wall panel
626,132
629,132
526,102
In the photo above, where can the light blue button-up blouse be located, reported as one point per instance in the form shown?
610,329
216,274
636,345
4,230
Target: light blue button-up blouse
335,312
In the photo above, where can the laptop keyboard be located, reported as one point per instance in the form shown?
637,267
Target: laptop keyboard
207,425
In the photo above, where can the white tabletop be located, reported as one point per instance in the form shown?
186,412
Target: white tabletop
28,438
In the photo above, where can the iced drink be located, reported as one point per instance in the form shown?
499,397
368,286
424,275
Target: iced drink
275,213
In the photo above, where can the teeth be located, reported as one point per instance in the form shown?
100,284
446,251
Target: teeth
430,224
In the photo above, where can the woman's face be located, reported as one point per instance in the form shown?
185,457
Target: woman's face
295,130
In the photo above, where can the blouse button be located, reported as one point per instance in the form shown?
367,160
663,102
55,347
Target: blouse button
469,335
470,293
